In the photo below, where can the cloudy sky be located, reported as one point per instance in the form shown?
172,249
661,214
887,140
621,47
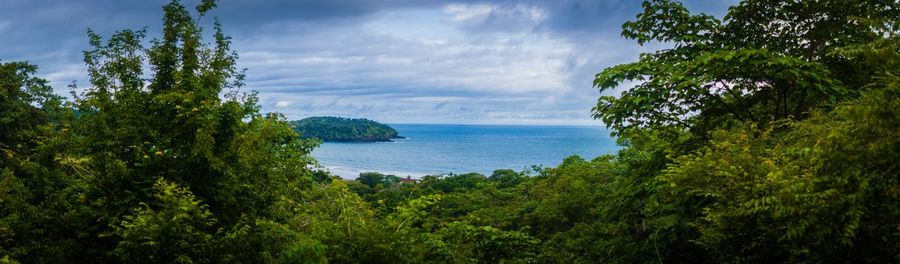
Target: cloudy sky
404,61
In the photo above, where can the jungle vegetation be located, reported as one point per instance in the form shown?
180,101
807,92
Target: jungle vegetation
770,135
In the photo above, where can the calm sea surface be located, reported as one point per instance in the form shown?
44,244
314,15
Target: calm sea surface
438,149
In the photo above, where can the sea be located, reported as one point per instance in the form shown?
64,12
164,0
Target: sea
433,149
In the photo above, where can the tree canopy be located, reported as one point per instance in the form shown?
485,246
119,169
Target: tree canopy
765,61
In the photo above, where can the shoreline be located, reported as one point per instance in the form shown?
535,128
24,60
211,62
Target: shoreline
349,173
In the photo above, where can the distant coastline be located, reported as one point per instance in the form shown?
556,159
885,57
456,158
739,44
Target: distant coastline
339,129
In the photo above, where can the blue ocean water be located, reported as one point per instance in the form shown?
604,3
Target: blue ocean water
437,149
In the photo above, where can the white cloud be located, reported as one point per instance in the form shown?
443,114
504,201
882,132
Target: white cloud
482,12
420,65
491,18
370,53
398,61
283,103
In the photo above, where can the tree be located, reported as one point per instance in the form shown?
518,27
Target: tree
175,229
486,244
766,61
26,102
377,180
815,190
39,205
506,178
727,101
187,125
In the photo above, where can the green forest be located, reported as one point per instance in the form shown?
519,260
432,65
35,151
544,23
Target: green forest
339,129
770,135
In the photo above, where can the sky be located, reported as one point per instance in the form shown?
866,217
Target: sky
402,61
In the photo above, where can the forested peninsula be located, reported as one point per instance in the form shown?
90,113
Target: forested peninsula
769,135
339,129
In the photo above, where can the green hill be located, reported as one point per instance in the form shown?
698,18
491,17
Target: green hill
339,129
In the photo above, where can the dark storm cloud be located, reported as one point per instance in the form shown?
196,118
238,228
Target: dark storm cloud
398,61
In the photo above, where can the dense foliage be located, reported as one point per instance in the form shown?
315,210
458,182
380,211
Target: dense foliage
769,136
338,129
